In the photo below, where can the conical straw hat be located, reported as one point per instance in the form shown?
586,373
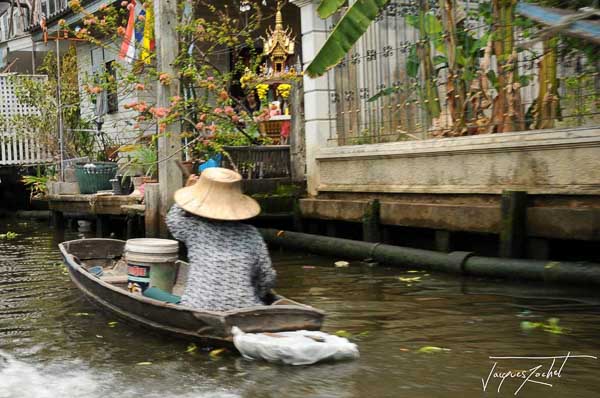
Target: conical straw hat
217,195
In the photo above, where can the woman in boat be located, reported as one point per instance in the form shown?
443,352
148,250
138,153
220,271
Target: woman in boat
230,266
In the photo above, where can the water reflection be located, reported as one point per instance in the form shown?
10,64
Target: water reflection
54,343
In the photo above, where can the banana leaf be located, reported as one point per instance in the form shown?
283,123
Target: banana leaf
328,7
349,29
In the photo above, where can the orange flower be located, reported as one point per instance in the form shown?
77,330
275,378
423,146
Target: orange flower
140,87
121,31
223,96
164,79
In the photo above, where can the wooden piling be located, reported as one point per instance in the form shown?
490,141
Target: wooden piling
513,224
58,219
371,222
151,213
169,143
297,217
443,241
102,226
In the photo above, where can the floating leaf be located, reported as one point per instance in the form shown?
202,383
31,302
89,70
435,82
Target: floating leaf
112,324
431,349
404,350
550,326
526,325
551,265
191,348
99,336
217,352
409,279
341,264
144,363
412,271
81,314
343,333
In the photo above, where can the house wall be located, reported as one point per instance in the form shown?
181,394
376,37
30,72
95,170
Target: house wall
450,184
119,126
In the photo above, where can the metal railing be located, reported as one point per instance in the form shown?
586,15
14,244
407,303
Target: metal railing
259,162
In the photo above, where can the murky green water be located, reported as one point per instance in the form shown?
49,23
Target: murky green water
53,343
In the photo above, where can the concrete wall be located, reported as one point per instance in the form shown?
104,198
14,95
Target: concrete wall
539,162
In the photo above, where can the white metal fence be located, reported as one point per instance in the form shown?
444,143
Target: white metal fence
17,148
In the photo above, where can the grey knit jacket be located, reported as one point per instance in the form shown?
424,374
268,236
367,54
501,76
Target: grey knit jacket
229,263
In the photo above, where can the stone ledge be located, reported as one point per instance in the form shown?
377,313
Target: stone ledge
488,143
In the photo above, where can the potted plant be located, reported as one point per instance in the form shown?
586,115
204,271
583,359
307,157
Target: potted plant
139,163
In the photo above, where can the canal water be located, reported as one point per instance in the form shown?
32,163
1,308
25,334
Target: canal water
420,335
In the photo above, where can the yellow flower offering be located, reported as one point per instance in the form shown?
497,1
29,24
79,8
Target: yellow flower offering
284,90
262,90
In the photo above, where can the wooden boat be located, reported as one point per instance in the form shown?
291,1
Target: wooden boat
209,327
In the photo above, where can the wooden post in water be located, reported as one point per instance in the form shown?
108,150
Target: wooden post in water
297,141
371,222
443,241
513,224
58,219
102,226
169,143
152,213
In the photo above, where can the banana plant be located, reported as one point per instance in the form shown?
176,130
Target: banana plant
353,24
507,114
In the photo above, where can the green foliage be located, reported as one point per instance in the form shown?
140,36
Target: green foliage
328,7
9,236
349,29
142,159
550,326
41,95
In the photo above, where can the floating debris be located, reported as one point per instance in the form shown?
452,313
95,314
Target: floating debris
431,349
112,324
550,326
81,314
308,267
409,279
191,348
216,353
144,363
9,235
343,333
341,264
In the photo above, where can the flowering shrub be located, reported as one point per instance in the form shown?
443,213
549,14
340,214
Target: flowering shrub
208,112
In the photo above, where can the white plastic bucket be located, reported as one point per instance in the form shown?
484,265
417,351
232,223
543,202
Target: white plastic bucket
151,262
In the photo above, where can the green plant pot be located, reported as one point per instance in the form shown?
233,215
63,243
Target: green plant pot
94,179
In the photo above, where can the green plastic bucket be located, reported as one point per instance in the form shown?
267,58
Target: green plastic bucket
92,179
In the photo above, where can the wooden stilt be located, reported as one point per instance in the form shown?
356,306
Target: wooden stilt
443,241
371,222
152,215
513,224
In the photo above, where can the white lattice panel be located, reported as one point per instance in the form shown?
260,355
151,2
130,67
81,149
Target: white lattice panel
20,148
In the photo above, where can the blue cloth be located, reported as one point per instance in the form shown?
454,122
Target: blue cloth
215,161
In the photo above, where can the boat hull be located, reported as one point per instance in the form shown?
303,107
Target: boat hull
209,327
